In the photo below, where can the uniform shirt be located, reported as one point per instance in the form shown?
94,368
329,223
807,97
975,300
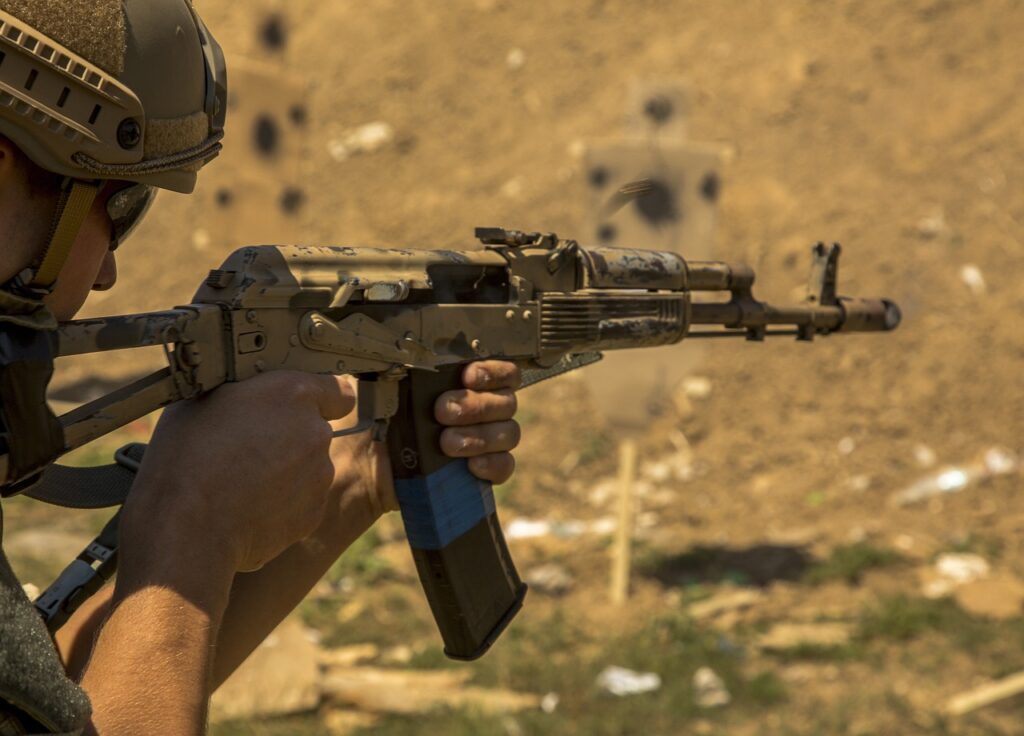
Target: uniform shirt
36,695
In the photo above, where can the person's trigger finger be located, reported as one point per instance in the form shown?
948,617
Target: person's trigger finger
489,375
336,397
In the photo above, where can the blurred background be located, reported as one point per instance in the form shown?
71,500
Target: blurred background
827,535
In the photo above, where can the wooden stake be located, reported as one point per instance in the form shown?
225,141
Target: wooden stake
987,694
622,549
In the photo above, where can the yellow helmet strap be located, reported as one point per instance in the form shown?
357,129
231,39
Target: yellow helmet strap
76,200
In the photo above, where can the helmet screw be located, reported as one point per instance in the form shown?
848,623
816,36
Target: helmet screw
129,133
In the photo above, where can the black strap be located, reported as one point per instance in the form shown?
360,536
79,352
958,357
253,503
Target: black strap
90,488
82,579
86,488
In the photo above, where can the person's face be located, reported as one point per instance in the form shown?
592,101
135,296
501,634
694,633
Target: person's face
91,265
28,203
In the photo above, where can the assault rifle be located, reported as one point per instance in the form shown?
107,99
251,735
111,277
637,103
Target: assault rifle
405,322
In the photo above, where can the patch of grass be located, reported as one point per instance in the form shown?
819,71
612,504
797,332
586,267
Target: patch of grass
819,653
816,499
527,417
39,572
765,688
505,491
391,616
291,726
359,561
593,446
554,655
849,562
991,548
902,618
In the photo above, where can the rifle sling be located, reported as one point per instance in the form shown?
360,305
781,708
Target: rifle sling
86,488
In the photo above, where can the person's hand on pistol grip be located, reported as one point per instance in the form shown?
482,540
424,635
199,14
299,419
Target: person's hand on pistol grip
480,427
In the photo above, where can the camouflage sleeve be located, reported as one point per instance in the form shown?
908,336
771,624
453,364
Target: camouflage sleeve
36,696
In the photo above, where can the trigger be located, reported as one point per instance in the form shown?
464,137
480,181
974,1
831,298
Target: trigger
378,403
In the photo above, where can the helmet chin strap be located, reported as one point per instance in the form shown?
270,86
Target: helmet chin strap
76,199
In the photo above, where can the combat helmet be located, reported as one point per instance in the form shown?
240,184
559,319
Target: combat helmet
95,90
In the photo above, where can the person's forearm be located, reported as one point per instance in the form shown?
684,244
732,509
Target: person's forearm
258,601
261,600
151,665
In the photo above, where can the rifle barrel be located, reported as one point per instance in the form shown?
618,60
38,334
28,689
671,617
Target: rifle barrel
850,315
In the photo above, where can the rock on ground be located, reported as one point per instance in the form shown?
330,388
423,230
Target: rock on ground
783,636
999,597
282,676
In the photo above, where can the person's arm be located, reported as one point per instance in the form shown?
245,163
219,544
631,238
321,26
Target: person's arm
151,665
206,505
481,427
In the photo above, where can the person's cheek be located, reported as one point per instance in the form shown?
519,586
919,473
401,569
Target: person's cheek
90,264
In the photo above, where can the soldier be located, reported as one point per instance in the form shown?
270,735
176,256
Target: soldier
101,103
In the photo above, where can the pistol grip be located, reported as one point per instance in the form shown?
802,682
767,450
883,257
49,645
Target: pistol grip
450,520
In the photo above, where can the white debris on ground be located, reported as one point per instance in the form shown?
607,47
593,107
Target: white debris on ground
709,689
933,225
924,455
364,139
201,239
607,491
515,59
973,279
676,467
549,703
522,528
697,388
513,188
858,483
950,479
962,567
550,579
846,446
658,481
952,570
621,681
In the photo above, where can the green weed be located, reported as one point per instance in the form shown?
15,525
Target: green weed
360,561
902,618
848,563
593,446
